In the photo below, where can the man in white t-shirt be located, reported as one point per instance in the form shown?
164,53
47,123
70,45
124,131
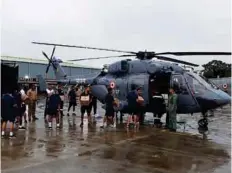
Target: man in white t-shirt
24,109
49,92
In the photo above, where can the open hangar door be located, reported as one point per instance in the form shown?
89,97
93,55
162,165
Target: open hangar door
9,77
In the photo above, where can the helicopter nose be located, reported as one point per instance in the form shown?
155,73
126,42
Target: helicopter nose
212,99
223,98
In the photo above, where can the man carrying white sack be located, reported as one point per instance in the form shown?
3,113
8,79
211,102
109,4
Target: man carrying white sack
49,92
23,109
61,94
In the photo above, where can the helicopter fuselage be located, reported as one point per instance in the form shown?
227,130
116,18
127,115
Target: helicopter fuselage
156,77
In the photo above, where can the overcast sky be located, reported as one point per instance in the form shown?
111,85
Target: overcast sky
155,25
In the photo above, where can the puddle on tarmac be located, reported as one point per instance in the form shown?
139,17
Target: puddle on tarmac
161,151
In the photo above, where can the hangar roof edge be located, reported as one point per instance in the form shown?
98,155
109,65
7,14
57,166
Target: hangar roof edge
41,61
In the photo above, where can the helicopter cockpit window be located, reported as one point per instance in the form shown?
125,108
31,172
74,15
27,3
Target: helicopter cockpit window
212,84
178,83
124,66
195,85
200,80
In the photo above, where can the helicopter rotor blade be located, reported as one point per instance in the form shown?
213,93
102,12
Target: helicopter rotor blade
45,55
51,58
54,48
193,53
84,47
106,57
49,62
175,60
48,67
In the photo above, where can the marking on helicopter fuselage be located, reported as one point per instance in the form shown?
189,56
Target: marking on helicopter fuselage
117,91
80,80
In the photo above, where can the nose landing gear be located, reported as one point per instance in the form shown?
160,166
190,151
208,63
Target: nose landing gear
203,123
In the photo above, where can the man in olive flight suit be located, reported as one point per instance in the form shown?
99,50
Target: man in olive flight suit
172,108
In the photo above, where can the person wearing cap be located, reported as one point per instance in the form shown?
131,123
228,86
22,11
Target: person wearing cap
172,108
54,108
85,101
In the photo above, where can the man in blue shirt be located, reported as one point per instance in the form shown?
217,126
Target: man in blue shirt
54,108
8,106
110,103
85,101
19,111
132,103
72,99
61,94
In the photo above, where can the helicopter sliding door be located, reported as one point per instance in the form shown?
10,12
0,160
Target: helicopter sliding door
186,101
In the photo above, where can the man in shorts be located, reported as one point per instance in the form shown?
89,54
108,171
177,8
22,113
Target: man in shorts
8,105
110,102
85,101
24,99
32,94
72,99
19,111
61,94
54,108
139,108
49,92
132,103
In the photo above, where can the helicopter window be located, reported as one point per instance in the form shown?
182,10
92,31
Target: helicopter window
194,84
178,83
200,80
124,65
213,85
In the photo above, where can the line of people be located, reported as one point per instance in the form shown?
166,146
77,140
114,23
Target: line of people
14,106
55,102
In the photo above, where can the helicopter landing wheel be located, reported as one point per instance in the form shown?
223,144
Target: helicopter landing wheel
203,123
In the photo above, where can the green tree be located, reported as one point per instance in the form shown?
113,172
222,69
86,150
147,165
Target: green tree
216,68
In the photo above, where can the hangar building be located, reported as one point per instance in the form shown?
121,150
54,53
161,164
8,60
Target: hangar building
29,67
24,70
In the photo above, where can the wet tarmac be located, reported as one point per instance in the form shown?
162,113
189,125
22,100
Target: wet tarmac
94,150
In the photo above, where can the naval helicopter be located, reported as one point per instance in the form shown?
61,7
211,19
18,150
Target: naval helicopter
194,93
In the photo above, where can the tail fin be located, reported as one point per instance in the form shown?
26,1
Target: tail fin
42,83
58,70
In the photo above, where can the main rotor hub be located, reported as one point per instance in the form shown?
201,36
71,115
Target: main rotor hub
145,55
